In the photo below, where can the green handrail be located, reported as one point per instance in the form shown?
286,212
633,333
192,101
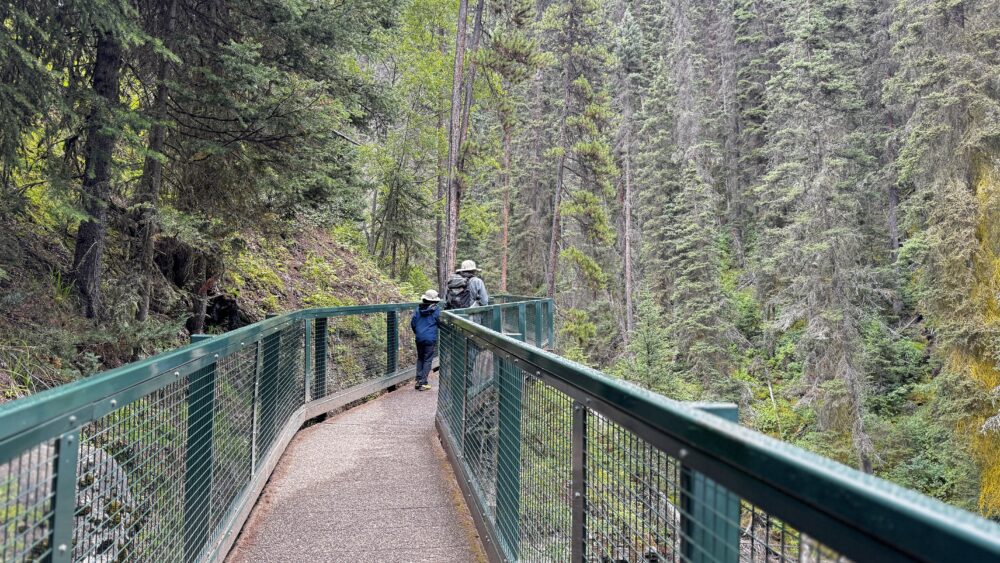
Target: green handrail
654,479
162,459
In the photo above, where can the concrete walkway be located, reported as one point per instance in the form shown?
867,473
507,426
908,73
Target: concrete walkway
370,484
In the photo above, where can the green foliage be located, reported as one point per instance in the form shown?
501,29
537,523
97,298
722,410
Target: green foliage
579,329
590,271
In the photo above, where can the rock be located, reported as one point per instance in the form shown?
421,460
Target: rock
105,510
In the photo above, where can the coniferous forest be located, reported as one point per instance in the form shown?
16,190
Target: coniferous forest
790,205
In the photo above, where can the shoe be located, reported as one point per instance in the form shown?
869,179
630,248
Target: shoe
423,387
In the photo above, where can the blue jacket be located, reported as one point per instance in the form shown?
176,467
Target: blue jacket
425,324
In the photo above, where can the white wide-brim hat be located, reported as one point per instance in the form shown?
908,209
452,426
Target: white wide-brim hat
430,295
468,266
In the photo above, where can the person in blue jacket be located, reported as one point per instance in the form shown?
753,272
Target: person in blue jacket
425,330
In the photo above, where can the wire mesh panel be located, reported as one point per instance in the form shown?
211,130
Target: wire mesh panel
509,322
406,346
356,350
280,386
451,382
165,474
546,473
131,480
480,423
232,456
566,464
531,319
633,495
26,504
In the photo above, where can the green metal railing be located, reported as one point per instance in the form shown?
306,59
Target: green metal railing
163,459
563,463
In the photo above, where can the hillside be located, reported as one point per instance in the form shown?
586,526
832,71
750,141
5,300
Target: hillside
44,341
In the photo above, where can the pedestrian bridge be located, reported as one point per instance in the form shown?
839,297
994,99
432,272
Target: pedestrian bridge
298,439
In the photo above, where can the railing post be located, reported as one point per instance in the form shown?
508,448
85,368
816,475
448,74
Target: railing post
550,322
456,371
255,422
509,456
319,380
578,549
539,323
522,321
63,515
269,385
198,467
710,514
391,341
307,372
496,323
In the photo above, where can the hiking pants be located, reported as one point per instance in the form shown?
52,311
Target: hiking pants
425,357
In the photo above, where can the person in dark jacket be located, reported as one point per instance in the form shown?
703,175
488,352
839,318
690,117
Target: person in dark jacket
425,330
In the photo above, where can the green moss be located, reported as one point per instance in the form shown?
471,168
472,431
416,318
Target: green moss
322,272
255,269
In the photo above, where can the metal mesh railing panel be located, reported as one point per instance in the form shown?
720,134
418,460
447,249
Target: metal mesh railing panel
164,475
451,382
546,473
645,505
509,322
26,504
131,481
356,350
281,386
531,322
553,477
480,426
633,495
406,346
232,455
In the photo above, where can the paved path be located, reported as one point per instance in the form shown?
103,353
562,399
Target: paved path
370,484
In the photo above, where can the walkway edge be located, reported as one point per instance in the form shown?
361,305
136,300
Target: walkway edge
490,544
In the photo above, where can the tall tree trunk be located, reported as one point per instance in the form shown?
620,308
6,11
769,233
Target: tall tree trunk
560,175
442,179
90,238
439,263
458,179
148,196
892,215
454,140
505,215
897,302
627,250
533,260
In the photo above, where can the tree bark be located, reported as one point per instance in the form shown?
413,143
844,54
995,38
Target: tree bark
442,177
560,175
90,238
505,215
557,200
438,223
454,131
897,302
627,250
458,180
148,196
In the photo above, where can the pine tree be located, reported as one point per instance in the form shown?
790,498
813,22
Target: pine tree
583,162
811,196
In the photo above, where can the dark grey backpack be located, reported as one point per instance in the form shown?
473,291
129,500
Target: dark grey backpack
458,295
